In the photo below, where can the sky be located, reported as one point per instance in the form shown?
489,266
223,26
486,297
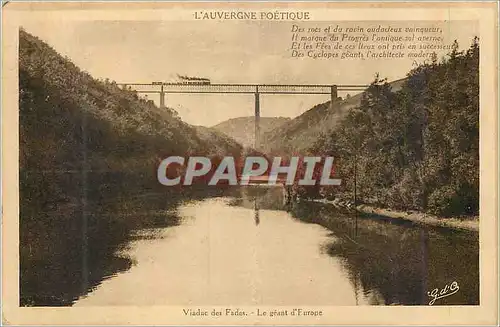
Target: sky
224,52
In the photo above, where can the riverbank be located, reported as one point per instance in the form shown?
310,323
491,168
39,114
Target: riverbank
471,224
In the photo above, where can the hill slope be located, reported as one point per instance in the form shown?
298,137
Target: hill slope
67,118
242,129
220,142
300,133
88,154
416,148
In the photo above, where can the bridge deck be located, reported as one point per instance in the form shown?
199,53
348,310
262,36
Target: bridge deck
240,88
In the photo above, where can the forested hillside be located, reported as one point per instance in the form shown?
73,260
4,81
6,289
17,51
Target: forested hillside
220,143
416,148
242,129
69,119
296,135
89,152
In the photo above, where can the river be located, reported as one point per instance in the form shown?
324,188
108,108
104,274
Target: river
252,249
247,247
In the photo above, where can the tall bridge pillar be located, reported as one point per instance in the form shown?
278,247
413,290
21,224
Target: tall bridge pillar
162,98
257,118
334,94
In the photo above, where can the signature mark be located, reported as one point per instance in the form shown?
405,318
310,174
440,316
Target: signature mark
446,291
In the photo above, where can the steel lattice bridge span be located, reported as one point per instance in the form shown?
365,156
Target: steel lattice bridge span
204,87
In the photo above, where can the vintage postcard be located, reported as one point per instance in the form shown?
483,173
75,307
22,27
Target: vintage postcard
249,163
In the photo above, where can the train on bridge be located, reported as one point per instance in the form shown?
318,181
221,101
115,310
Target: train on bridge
189,80
193,80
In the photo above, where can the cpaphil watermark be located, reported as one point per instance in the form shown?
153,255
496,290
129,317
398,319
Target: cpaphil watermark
304,171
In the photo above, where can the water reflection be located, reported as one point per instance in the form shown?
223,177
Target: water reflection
234,246
217,256
401,261
256,212
391,262
72,237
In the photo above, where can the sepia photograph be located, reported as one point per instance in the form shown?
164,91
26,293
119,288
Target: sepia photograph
249,164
